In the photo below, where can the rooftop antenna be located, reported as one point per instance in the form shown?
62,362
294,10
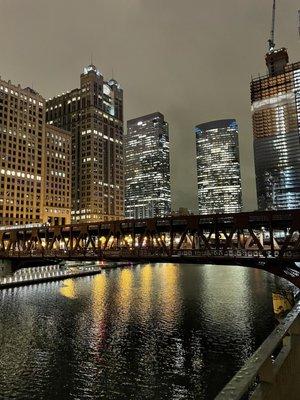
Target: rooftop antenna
272,35
91,58
299,22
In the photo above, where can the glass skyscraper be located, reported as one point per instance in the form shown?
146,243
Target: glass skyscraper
275,102
218,167
147,175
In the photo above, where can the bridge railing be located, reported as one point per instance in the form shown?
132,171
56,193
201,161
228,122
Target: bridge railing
272,373
124,252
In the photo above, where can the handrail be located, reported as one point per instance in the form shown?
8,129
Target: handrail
261,364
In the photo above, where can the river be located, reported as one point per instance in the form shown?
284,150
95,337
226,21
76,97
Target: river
153,331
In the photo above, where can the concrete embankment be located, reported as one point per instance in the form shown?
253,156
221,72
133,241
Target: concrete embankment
10,282
56,275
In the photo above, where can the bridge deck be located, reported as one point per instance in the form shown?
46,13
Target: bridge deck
271,237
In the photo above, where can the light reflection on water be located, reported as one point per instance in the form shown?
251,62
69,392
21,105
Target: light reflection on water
68,289
163,331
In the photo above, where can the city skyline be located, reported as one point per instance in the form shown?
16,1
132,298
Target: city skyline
149,199
187,90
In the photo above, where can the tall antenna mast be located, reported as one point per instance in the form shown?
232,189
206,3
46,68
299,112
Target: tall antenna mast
272,35
299,22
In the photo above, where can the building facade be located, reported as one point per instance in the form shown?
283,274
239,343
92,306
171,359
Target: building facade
22,132
94,115
147,160
35,161
275,105
57,181
218,167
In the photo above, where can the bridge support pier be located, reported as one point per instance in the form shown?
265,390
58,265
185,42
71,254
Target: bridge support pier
5,268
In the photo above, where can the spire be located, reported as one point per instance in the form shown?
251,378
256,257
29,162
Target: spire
271,41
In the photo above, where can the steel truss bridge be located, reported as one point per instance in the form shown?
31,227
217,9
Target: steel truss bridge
269,240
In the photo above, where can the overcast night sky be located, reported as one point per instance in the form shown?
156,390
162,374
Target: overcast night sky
191,60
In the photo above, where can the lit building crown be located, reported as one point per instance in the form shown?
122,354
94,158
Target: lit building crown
90,68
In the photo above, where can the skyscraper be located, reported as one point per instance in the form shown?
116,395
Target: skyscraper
35,161
94,115
147,167
218,167
275,100
22,130
57,181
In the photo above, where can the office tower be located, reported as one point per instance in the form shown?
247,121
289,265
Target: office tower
147,167
35,161
275,114
218,167
94,115
22,130
57,182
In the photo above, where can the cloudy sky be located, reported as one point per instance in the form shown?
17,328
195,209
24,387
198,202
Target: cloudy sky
192,60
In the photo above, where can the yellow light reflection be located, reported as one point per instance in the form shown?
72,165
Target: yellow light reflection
68,289
146,274
99,292
170,295
125,293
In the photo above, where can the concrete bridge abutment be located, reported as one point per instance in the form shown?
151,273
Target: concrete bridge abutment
6,268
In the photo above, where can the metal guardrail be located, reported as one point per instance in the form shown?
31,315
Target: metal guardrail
136,252
273,371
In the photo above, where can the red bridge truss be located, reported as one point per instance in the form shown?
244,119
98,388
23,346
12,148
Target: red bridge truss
270,239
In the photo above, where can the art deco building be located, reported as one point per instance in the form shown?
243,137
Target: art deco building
22,131
94,115
57,181
35,161
275,100
147,167
218,167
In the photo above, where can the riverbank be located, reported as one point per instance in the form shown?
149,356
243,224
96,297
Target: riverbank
57,275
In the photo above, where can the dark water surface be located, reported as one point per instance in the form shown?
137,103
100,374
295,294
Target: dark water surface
163,331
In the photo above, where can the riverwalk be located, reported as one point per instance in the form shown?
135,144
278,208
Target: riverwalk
54,274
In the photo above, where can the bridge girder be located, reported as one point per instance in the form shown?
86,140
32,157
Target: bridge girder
268,235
